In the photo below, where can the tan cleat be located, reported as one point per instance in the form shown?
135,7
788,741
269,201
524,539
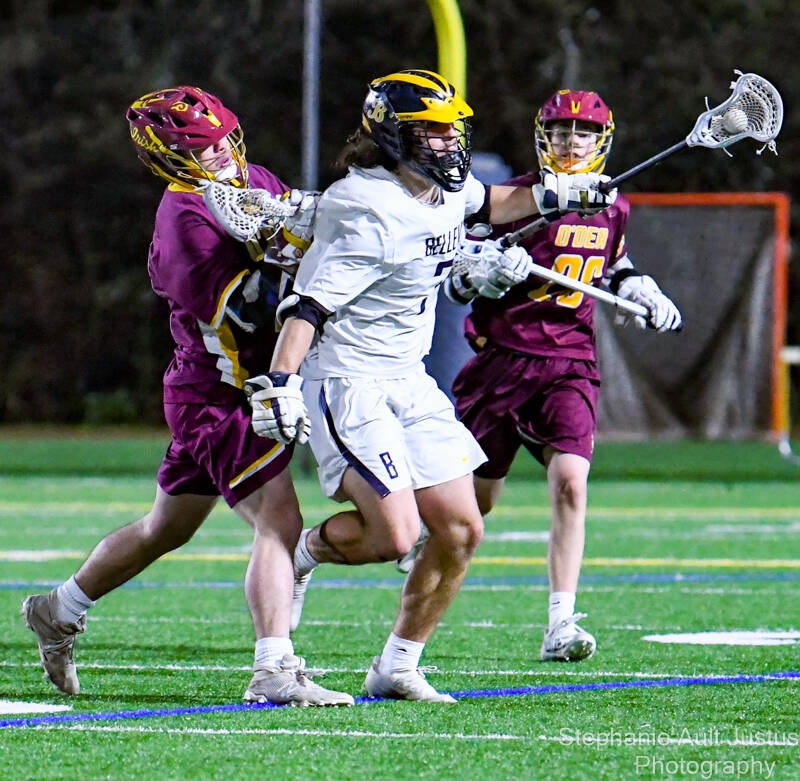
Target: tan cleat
405,685
56,640
290,684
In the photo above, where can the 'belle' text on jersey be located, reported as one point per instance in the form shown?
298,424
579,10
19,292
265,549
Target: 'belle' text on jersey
444,244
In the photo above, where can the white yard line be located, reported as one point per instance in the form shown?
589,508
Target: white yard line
550,672
617,737
298,732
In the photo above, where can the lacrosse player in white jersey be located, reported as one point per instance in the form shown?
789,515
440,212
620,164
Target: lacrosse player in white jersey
360,321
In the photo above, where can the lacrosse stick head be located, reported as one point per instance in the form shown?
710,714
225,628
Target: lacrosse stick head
753,110
246,213
186,135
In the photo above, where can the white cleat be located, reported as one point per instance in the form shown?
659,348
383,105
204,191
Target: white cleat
567,642
298,598
290,684
55,639
405,685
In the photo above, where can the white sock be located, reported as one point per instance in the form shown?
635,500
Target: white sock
304,562
562,605
400,655
271,650
71,602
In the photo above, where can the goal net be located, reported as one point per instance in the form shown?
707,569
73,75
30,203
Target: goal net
722,257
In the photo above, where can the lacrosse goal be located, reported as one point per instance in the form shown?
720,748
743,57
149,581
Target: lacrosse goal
722,257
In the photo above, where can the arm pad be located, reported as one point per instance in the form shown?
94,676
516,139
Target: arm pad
482,215
303,308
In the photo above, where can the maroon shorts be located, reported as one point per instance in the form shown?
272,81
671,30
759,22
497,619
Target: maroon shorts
507,399
214,451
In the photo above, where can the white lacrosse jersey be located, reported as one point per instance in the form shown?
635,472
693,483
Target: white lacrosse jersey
376,263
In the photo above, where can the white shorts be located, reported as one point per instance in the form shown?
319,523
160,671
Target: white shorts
395,433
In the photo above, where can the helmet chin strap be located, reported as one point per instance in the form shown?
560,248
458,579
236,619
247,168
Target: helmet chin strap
227,173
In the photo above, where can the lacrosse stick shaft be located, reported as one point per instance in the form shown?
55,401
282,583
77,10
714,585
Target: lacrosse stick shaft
510,239
631,172
590,290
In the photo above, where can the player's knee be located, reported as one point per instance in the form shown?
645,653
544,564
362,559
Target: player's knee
487,492
162,534
462,535
571,490
474,533
398,542
485,502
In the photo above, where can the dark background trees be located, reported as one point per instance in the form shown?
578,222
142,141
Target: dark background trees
82,336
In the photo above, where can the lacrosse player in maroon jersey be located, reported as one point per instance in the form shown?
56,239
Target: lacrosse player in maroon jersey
222,305
534,379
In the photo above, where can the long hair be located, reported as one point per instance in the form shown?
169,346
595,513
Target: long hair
361,149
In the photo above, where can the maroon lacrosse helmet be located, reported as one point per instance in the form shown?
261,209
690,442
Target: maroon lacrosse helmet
588,114
171,126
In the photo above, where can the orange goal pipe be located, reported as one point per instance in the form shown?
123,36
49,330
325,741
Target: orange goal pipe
780,274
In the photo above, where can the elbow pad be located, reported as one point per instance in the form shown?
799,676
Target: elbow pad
482,215
303,308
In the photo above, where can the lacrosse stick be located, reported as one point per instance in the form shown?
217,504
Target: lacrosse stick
481,230
463,261
754,110
598,293
244,213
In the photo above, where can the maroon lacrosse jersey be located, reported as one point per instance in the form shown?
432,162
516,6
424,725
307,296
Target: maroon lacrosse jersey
196,266
536,317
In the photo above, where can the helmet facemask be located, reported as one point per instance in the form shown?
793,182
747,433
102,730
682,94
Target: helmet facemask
573,145
445,158
210,165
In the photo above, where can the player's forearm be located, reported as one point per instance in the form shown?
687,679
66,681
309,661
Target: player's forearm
507,204
292,345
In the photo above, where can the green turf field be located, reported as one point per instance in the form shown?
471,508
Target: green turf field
682,538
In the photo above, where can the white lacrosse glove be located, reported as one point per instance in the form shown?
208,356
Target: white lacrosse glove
664,315
484,268
279,411
298,229
558,193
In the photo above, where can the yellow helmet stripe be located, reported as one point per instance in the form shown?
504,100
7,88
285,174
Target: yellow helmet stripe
451,109
421,78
